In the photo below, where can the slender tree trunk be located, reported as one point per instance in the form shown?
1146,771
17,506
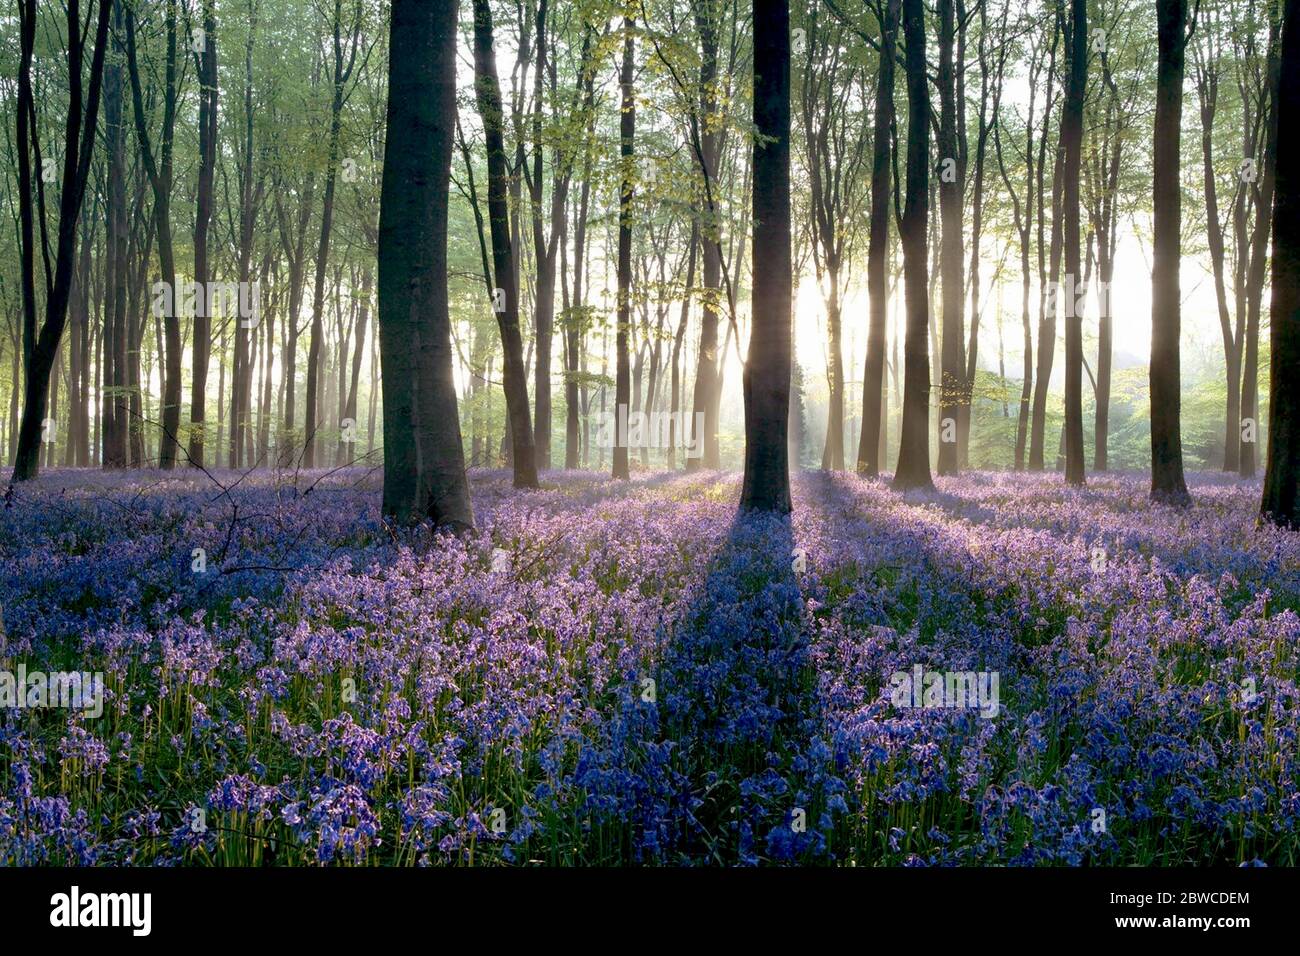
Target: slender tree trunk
707,382
1167,483
159,172
1259,257
207,76
116,410
1048,265
1071,148
241,380
914,446
952,384
79,137
873,376
675,383
506,304
627,152
342,71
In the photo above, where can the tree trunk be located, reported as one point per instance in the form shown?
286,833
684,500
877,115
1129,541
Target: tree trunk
424,466
207,77
1071,148
914,444
1280,503
627,153
873,377
1167,482
115,408
1259,257
767,368
315,350
1046,251
159,171
952,384
78,147
241,380
707,383
506,304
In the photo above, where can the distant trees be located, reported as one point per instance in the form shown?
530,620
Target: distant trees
831,95
599,235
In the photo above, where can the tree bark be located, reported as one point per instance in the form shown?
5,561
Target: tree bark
424,466
914,446
1280,504
206,69
1071,148
1167,482
115,408
627,153
873,376
488,94
767,368
78,147
952,383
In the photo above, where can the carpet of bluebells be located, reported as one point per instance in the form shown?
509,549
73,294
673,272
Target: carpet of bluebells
623,673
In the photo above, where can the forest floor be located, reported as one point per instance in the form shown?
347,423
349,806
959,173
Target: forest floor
624,673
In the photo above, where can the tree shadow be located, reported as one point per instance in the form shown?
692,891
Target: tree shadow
725,764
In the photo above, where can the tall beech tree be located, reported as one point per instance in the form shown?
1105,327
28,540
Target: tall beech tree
159,169
1072,154
1167,482
505,298
1281,503
251,186
41,346
708,135
1256,251
205,62
1049,259
913,469
767,367
952,176
424,464
626,189
1023,222
869,446
344,49
1110,125
835,140
114,394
